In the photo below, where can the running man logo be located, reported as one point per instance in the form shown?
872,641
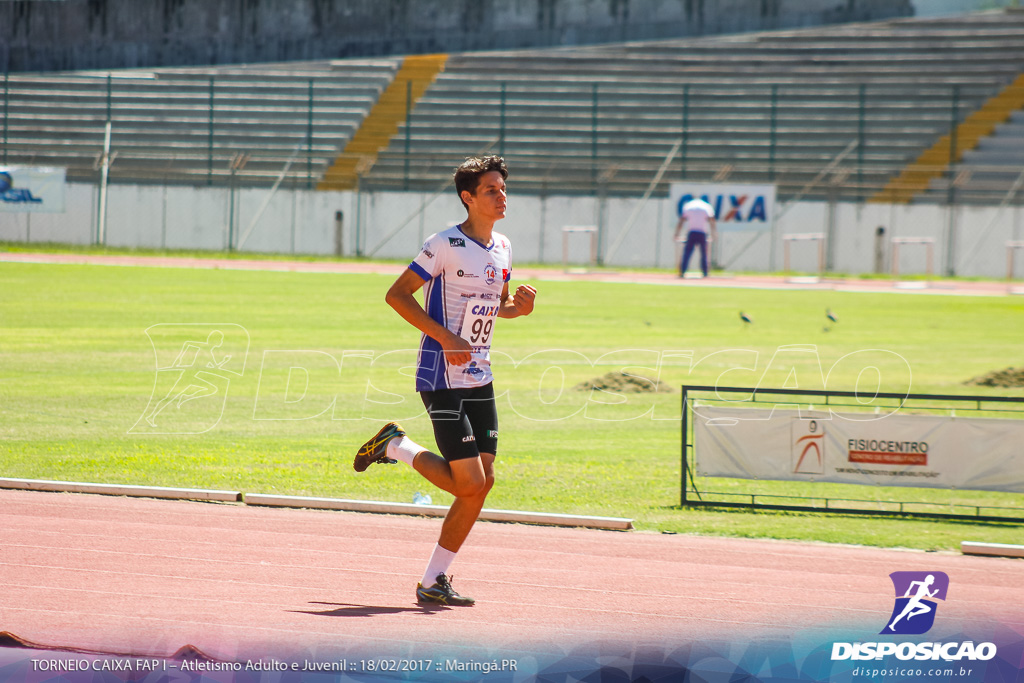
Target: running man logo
808,446
194,368
914,611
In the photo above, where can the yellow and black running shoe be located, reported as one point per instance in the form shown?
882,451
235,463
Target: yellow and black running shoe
442,593
375,450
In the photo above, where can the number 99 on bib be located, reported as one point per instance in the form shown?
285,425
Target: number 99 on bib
478,323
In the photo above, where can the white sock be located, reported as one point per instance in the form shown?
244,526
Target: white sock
403,449
440,560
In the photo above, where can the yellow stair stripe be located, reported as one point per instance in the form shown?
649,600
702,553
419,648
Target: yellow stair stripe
934,161
384,119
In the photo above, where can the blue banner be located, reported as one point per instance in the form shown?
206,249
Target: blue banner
839,656
31,190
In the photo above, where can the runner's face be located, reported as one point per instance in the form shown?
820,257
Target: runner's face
490,198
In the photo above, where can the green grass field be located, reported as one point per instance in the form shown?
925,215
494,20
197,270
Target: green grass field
325,361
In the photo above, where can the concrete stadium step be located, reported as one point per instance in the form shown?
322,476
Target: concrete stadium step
905,71
550,100
919,177
411,80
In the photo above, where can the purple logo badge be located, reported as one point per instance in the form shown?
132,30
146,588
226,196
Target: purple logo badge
916,595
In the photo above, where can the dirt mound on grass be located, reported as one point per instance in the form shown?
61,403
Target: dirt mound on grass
1010,377
621,383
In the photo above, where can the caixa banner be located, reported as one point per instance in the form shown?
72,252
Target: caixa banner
31,190
737,207
928,451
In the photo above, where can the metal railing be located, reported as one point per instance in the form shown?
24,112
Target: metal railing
756,497
581,137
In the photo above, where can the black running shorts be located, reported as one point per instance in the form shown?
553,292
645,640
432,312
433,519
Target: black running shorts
465,421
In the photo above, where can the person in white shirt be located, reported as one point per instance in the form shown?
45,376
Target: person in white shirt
699,219
465,273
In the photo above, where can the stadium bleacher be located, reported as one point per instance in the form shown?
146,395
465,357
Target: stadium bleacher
992,172
771,107
832,112
192,126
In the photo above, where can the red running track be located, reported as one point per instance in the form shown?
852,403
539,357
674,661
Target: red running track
147,577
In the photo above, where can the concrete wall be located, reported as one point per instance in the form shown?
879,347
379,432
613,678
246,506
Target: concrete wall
44,35
394,224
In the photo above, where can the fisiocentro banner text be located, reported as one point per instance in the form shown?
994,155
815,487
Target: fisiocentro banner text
892,450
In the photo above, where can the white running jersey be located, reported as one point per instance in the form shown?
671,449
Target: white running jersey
698,215
463,292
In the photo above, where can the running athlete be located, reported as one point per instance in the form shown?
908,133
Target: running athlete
465,273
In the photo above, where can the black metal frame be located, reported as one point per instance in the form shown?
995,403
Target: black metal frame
901,507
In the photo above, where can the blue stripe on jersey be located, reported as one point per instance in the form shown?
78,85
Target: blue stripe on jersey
430,373
482,245
418,269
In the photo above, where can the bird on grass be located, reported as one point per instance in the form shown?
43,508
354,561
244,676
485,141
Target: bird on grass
746,318
832,318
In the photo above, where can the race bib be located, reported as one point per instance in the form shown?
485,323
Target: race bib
478,324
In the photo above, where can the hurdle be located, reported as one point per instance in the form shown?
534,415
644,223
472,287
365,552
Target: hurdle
1011,248
788,239
582,229
928,242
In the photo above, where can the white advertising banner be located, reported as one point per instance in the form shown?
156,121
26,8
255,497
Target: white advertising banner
737,207
31,190
896,450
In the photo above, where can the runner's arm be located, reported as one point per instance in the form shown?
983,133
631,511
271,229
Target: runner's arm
400,297
519,304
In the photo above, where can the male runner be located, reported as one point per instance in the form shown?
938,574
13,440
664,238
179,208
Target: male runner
465,272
